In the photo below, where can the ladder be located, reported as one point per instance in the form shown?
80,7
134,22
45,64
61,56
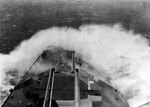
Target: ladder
49,89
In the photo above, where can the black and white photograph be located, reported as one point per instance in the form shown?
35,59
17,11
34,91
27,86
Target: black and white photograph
75,53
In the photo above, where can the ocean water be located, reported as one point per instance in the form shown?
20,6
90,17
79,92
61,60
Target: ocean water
20,20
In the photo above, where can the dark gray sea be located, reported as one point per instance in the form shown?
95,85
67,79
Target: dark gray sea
20,19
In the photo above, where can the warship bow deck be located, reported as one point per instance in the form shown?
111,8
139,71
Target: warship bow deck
56,88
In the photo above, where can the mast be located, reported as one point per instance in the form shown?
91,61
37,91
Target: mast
76,83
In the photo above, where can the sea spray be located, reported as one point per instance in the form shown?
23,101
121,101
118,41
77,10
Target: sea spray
121,53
